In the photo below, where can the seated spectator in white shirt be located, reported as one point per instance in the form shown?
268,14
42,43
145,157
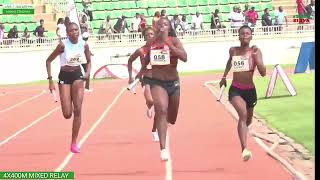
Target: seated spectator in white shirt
135,23
197,22
183,25
236,18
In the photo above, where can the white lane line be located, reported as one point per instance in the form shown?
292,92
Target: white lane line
4,93
169,162
93,127
22,102
29,126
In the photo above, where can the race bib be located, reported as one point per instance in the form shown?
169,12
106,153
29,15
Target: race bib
160,57
240,64
74,60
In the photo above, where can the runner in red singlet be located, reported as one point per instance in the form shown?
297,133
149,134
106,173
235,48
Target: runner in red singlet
148,34
163,54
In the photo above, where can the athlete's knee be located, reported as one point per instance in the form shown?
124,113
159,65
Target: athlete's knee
243,116
67,115
149,102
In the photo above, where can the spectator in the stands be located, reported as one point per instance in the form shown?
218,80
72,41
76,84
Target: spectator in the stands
1,33
26,33
84,26
13,32
236,19
197,21
143,23
135,23
215,20
101,32
61,30
175,22
108,26
310,9
87,8
155,19
241,16
39,31
300,7
245,14
25,36
252,17
163,13
121,25
184,24
266,20
301,11
280,19
67,21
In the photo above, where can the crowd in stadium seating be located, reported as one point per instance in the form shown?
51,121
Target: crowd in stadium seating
14,34
237,18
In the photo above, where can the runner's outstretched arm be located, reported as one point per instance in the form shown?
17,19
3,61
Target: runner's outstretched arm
132,58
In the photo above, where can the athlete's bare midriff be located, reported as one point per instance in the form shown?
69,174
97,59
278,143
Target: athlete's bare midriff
165,73
246,77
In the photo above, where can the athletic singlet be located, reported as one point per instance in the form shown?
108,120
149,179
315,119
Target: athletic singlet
73,54
243,63
160,55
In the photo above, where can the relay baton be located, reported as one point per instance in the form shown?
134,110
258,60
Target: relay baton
221,93
54,94
134,90
133,85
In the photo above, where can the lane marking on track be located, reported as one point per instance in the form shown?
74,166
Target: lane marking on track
93,127
29,126
22,102
169,162
4,93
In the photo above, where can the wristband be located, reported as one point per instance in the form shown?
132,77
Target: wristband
49,78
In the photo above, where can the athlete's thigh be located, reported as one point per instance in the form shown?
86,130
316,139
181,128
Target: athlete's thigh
160,98
65,98
240,105
77,92
173,108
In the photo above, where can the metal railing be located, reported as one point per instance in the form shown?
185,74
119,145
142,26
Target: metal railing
125,39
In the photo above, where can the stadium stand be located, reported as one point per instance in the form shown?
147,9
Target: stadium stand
128,8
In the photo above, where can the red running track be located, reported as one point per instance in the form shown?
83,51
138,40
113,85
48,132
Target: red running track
204,143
